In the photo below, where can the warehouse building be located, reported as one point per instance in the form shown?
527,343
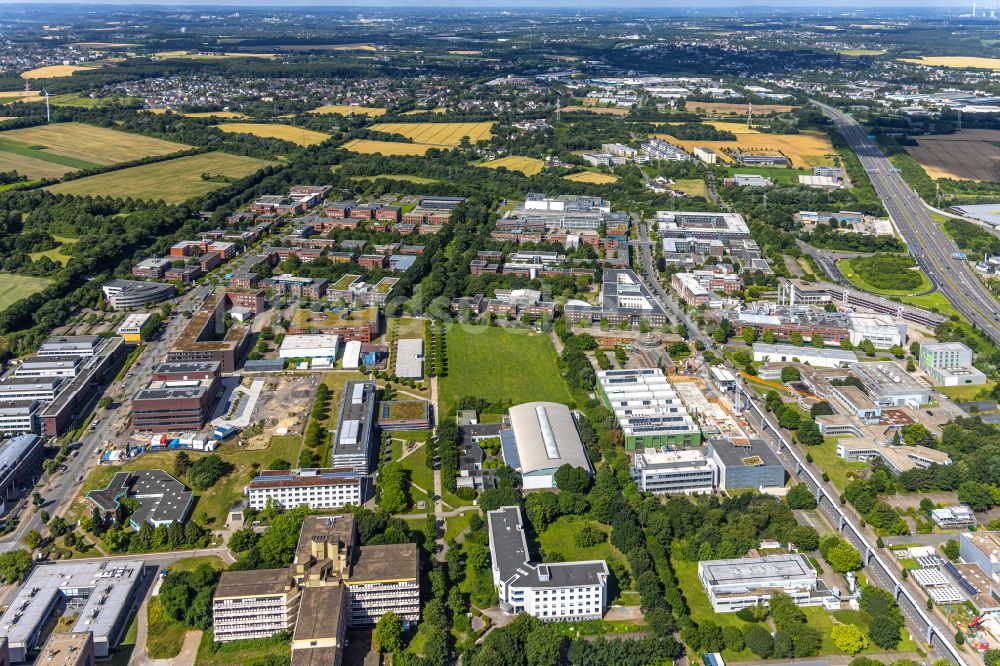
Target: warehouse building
686,471
327,488
542,438
747,464
104,595
818,358
355,444
732,585
563,591
20,466
317,348
647,408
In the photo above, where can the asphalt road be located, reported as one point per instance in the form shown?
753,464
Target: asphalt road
60,490
954,278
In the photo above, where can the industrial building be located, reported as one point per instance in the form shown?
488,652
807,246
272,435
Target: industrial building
685,471
127,294
410,358
796,292
20,467
163,500
355,444
883,331
624,298
818,358
647,408
326,488
316,348
566,591
888,384
732,585
542,438
949,364
709,226
104,594
332,579
983,548
747,464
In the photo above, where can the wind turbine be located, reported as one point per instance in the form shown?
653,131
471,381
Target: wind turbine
48,114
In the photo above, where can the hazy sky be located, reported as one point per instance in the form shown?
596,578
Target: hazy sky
708,5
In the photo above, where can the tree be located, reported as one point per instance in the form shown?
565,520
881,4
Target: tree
800,497
543,646
790,373
243,540
711,637
759,640
976,495
14,564
820,409
32,539
205,471
842,556
389,633
884,632
182,463
817,341
804,537
279,464
809,433
796,338
951,549
749,335
867,346
849,638
572,479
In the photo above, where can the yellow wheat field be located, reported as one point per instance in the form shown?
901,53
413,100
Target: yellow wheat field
344,109
52,71
604,110
327,47
302,137
963,62
807,149
592,177
733,109
97,145
967,155
529,166
436,110
438,134
231,115
387,148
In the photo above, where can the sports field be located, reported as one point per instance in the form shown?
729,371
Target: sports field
298,135
388,148
972,154
529,166
500,365
87,144
807,149
344,109
733,109
15,287
173,181
438,134
961,62
52,71
592,177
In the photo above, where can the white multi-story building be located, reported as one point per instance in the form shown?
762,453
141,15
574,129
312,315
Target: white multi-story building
959,515
566,591
884,331
949,364
674,472
329,488
732,585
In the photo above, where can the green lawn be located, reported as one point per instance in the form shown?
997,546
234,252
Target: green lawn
217,501
39,153
123,653
935,302
192,563
501,365
56,254
701,608
965,393
419,180
420,474
238,653
456,524
780,175
851,271
825,455
14,288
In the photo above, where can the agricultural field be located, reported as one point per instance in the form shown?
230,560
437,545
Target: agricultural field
961,62
77,146
388,148
438,135
173,181
326,47
605,110
861,52
734,126
82,101
13,288
344,109
529,166
972,154
520,365
592,177
52,71
406,178
188,55
229,115
417,112
734,109
297,135
807,149
694,187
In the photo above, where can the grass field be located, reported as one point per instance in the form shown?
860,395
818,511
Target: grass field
693,186
420,180
238,653
881,281
343,110
230,115
16,287
807,149
962,62
217,501
734,109
55,254
192,563
731,126
973,154
592,177
88,144
825,456
298,135
388,148
52,71
438,134
500,365
81,101
966,393
529,166
173,181
166,635
14,157
603,110
861,52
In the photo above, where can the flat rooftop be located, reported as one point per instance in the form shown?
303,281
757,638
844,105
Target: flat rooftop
305,477
64,649
180,367
410,358
887,376
319,613
752,453
762,571
385,563
262,582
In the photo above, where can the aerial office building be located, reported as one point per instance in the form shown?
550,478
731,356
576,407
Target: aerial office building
686,471
647,408
355,444
328,488
732,585
20,466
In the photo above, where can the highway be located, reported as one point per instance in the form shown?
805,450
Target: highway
954,278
